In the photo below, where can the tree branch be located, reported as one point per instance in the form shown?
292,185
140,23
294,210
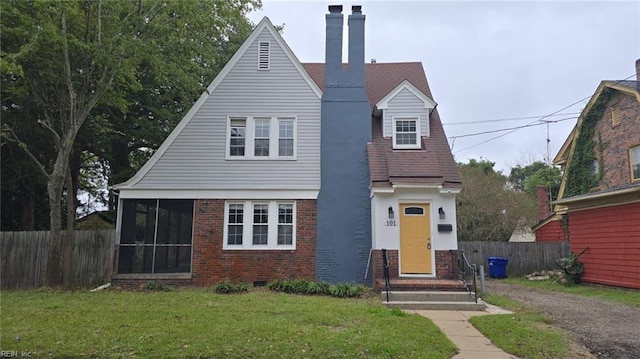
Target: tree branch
14,138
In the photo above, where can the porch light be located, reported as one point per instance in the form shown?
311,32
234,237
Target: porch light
441,213
391,215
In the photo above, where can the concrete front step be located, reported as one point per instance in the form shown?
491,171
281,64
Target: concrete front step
413,305
426,296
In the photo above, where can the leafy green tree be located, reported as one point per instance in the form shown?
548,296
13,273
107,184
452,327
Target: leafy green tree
83,62
487,209
528,178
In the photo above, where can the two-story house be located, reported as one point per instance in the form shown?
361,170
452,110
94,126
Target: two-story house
598,206
291,170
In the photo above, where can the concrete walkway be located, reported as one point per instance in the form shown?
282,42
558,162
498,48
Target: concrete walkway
470,342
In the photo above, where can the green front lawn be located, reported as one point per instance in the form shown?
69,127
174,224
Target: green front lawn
622,295
199,323
525,333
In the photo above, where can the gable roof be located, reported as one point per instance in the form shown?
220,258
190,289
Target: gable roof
383,104
630,87
264,24
568,147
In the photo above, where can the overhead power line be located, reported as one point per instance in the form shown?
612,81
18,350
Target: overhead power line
506,119
541,119
513,128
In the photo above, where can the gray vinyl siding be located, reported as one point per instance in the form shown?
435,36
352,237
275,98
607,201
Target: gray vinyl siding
196,159
405,104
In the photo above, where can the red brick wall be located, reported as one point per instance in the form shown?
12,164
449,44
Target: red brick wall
446,264
617,140
613,237
550,232
211,264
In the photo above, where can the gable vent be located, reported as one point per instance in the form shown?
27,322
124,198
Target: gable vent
264,55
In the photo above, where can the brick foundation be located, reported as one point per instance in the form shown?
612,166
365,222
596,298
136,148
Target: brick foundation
446,264
211,264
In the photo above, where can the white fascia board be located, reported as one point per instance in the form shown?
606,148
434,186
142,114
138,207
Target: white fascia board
384,103
253,194
417,185
375,190
265,23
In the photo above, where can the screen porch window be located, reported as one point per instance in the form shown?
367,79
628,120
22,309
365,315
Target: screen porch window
406,133
156,236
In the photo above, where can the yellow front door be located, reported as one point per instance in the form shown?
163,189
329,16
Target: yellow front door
415,239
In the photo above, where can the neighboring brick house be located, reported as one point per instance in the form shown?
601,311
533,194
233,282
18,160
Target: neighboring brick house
291,170
598,206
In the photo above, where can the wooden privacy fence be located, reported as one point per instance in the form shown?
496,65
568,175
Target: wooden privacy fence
24,258
524,257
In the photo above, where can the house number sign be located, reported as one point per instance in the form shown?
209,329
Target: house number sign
390,223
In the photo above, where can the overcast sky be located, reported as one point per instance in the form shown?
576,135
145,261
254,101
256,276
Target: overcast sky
489,61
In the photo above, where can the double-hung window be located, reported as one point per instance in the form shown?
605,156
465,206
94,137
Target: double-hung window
634,161
270,225
261,137
406,133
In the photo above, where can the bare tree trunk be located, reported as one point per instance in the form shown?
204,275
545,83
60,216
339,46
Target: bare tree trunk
54,269
67,252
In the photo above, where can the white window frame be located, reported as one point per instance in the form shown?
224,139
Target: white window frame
418,143
247,228
264,55
634,160
274,133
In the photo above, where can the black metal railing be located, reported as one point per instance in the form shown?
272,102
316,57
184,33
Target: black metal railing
469,272
385,270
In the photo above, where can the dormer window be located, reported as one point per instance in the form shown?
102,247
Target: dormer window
406,133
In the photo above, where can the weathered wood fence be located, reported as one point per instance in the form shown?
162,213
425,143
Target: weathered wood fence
524,257
23,258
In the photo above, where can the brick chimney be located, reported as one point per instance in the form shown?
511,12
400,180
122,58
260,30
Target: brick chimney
333,50
542,197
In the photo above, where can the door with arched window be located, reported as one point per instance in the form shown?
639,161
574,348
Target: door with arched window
415,239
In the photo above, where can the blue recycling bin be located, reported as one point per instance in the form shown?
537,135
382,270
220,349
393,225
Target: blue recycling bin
498,267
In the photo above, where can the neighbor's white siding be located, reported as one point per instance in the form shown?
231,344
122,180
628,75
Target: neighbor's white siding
406,104
196,159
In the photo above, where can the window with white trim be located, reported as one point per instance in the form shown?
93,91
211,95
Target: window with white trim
406,132
285,137
634,161
237,136
271,225
264,55
261,137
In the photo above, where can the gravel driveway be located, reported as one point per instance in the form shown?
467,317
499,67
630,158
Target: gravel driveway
607,329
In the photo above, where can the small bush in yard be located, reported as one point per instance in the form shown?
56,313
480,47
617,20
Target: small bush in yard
157,287
303,286
571,268
230,288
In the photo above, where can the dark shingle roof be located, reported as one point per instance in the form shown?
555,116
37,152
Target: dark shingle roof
433,163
